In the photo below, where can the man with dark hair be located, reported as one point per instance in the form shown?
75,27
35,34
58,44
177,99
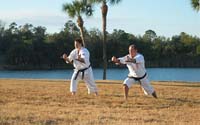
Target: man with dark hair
137,72
79,41
80,58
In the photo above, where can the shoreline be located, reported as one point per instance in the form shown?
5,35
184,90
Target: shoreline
98,81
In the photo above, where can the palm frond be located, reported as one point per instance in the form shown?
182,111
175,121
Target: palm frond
69,8
89,10
113,2
195,4
95,1
76,8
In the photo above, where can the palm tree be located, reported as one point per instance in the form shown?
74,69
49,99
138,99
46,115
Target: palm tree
195,4
76,9
104,11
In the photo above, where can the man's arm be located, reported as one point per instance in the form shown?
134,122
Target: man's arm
115,60
132,60
80,59
136,60
66,58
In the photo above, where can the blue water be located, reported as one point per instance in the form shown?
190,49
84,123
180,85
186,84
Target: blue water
154,74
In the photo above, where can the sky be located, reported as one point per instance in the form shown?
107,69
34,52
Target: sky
166,17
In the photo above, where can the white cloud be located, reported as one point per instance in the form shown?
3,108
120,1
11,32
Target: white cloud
54,22
50,20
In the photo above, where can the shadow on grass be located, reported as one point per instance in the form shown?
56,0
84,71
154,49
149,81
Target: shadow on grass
192,86
183,100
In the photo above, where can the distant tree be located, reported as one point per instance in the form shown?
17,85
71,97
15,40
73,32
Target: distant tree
2,32
39,33
196,6
150,35
13,28
71,27
198,50
18,55
2,28
104,11
76,9
26,33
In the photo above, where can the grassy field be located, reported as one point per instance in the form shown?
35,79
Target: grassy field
48,102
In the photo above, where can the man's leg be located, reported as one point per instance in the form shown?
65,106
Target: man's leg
73,93
126,85
154,94
91,86
147,87
126,89
90,83
73,84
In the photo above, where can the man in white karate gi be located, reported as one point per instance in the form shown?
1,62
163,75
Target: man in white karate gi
80,58
137,72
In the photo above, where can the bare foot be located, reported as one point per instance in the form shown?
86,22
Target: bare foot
96,93
154,95
73,93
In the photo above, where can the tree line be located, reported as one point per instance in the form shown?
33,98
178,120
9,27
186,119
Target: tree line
29,47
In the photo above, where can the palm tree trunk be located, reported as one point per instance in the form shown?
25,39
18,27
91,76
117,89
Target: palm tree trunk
82,36
104,15
80,25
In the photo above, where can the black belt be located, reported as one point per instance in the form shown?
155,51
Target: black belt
83,71
137,78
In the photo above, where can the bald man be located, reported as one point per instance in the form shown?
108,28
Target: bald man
137,72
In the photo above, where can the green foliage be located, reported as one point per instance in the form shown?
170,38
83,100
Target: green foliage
149,35
195,4
111,2
29,47
77,8
198,50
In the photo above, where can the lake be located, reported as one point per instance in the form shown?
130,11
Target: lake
154,74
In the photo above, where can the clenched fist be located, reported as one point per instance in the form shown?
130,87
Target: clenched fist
64,56
114,59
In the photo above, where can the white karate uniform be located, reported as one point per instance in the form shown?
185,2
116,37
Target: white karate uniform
137,70
88,74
